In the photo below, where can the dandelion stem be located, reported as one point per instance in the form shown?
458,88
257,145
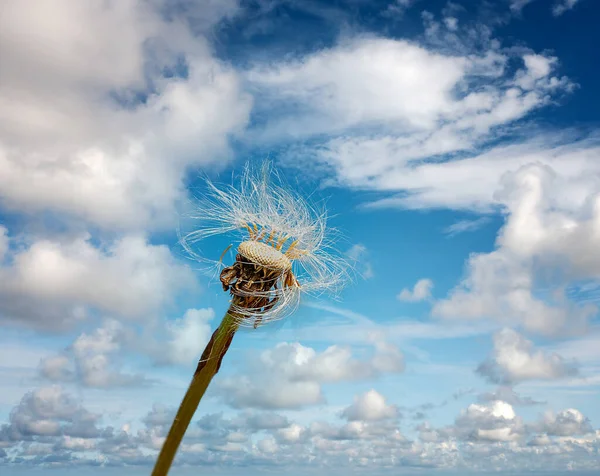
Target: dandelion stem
208,366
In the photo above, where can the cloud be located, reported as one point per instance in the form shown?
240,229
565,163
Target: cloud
374,128
562,6
518,5
187,336
420,292
358,253
370,406
397,8
465,226
508,395
90,139
546,243
568,422
96,359
483,437
51,283
290,375
49,411
495,421
515,359
4,242
92,360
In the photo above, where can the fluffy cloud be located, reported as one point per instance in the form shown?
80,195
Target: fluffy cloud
96,359
92,360
186,337
420,292
546,240
50,283
495,421
370,406
49,411
290,375
406,102
484,437
568,422
515,359
109,141
376,140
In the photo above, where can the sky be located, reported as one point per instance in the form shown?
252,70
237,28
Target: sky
457,148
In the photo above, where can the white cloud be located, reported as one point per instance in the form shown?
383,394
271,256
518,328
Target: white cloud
515,359
561,6
370,406
547,240
391,82
49,411
484,438
508,395
290,375
49,283
4,242
420,292
397,8
495,421
569,422
358,253
517,5
403,104
74,137
465,226
92,360
187,336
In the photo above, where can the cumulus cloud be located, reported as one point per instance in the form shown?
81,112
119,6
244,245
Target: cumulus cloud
96,359
515,359
49,411
290,375
109,141
421,291
186,337
546,240
264,439
92,360
370,406
495,421
551,237
51,283
569,422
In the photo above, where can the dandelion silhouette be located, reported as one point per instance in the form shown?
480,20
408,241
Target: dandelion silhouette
286,250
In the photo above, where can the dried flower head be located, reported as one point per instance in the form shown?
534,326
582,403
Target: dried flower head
284,246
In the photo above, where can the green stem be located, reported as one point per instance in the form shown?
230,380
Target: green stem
208,366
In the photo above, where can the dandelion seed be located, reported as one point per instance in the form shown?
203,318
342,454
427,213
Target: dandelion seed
284,249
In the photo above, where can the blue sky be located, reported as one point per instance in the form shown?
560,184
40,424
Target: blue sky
457,147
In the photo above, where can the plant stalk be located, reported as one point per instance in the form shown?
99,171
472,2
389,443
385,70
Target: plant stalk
208,366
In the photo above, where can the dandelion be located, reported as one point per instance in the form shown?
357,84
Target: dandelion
284,249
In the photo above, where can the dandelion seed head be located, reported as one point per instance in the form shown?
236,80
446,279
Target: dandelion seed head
276,228
265,255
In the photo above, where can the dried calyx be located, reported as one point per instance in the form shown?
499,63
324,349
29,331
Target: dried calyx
256,280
